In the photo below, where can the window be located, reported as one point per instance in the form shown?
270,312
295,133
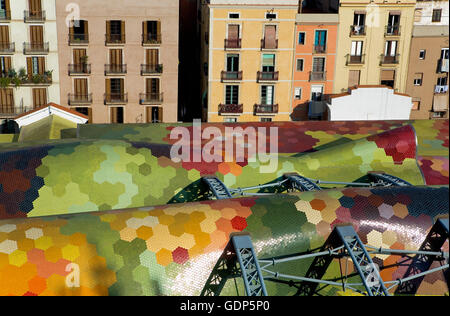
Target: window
267,95
301,38
271,16
117,115
231,94
353,77
416,105
320,41
422,53
441,81
300,64
359,19
356,49
234,15
266,119
232,62
268,63
298,93
230,119
444,53
418,79
436,15
390,48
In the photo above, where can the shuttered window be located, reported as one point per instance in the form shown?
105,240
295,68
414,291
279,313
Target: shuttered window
36,34
7,100
233,31
231,94
318,64
154,114
268,63
152,57
78,56
5,65
152,86
39,97
353,78
35,66
4,36
117,115
267,95
81,87
115,57
356,48
270,36
300,64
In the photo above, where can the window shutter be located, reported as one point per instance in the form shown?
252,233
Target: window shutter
4,35
7,6
122,30
158,29
233,31
160,115
30,66
86,28
387,75
108,89
145,30
353,78
41,65
108,30
270,34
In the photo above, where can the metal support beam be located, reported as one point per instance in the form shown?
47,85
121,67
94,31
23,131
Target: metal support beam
384,179
217,187
301,183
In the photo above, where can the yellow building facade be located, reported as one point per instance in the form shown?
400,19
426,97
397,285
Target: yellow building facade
373,43
248,60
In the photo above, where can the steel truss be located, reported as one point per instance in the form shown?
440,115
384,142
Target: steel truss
343,242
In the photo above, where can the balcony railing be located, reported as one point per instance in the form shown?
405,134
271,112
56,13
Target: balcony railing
320,49
392,30
112,39
390,59
440,89
79,69
231,108
233,43
7,48
35,48
266,108
355,59
265,44
5,15
231,75
151,98
267,76
443,65
78,39
12,111
113,69
317,75
80,99
357,30
147,69
38,79
34,16
115,98
151,39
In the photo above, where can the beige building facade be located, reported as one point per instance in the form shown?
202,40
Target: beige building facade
119,59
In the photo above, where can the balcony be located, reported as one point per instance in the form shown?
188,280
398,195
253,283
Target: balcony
151,39
231,109
35,48
233,43
115,98
440,89
266,109
78,39
357,30
79,69
112,69
354,60
34,16
317,76
114,39
12,111
231,75
38,79
443,65
267,76
151,98
147,69
5,15
265,44
320,49
7,48
392,30
80,99
390,60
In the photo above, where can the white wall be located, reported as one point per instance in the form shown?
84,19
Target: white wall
370,104
19,33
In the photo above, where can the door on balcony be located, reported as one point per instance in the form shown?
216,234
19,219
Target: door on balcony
356,52
81,90
39,97
232,66
359,19
115,57
316,93
152,89
116,115
320,41
388,78
233,36
4,6
270,36
390,51
267,95
36,36
353,78
4,37
85,111
35,66
79,31
232,95
393,23
35,7
154,114
151,31
318,68
114,90
115,31
5,66
79,60
268,66
7,101
152,60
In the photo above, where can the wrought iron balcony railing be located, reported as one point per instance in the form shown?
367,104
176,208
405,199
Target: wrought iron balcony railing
113,69
151,39
151,98
266,108
392,30
78,39
12,111
355,59
320,49
317,75
357,30
115,98
231,75
79,69
112,39
267,75
5,15
35,48
231,108
266,44
34,16
233,43
147,69
390,59
7,47
80,99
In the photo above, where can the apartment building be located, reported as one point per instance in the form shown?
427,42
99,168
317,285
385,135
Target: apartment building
247,59
429,61
373,43
119,59
28,56
314,64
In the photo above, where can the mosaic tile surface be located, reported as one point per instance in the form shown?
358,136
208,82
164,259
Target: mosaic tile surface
100,175
171,249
